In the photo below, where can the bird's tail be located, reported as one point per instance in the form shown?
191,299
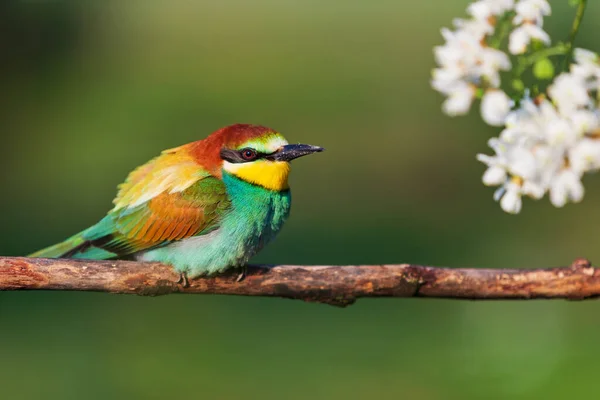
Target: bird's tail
65,249
86,244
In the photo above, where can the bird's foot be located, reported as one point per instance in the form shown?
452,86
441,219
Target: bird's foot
183,280
242,274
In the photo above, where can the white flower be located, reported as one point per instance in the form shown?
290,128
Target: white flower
565,186
584,121
521,124
584,56
480,10
459,51
484,9
495,106
478,28
560,133
569,93
513,159
494,176
500,158
520,37
511,200
531,10
499,7
459,99
534,190
522,162
497,165
585,155
586,66
490,63
444,80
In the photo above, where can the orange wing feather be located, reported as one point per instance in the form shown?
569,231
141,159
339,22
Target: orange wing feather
169,198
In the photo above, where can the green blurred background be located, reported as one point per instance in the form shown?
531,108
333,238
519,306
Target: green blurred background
89,90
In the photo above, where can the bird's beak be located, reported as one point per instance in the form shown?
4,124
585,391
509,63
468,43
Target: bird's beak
293,151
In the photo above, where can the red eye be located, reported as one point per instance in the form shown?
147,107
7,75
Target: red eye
248,154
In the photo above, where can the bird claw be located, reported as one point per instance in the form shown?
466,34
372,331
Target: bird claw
242,274
183,280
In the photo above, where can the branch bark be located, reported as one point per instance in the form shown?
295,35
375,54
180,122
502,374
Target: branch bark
336,285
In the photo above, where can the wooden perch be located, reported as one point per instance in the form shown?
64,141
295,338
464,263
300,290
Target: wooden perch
336,285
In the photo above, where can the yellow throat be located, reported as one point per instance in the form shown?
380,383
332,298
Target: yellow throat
272,175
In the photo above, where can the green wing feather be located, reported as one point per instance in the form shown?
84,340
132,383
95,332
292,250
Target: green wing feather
165,200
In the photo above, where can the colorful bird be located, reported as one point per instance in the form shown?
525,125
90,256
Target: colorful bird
202,207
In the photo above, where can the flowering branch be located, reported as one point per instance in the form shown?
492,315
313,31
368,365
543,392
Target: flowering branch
335,285
551,129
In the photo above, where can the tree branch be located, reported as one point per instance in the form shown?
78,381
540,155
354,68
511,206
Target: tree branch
336,285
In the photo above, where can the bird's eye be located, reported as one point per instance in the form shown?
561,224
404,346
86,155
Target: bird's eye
248,154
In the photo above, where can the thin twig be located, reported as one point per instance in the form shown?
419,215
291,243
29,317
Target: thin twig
336,285
573,34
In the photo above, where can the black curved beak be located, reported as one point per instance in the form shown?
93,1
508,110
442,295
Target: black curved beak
293,151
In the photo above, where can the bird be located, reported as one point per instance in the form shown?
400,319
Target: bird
203,207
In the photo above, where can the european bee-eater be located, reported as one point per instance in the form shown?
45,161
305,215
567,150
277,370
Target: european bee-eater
202,207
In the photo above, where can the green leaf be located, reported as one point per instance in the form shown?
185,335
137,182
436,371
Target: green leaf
543,69
574,3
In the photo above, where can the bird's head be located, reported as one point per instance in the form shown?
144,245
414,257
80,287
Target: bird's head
257,154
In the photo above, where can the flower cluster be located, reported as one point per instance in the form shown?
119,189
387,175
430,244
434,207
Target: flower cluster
549,142
549,139
466,61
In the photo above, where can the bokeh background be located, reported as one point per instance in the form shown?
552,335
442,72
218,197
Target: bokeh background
89,90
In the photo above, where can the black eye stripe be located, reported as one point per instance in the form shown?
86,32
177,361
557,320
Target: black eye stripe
237,157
